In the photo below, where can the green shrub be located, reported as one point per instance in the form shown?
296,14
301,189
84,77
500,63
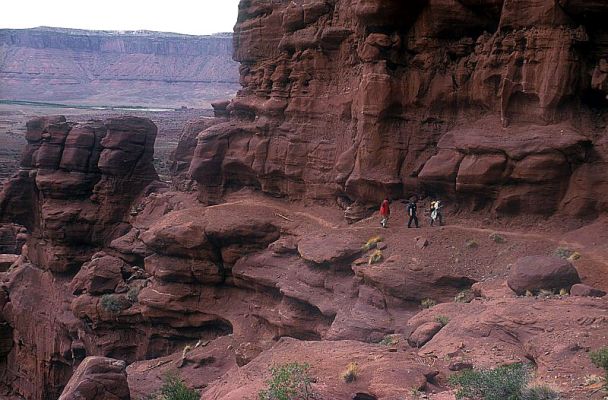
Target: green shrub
563,252
442,319
133,294
288,382
465,296
428,303
496,238
508,382
600,359
539,393
174,389
388,341
114,303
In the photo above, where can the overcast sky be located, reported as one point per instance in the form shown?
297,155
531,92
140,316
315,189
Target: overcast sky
196,17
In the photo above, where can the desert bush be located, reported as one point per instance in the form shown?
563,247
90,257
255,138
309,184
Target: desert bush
465,296
574,256
133,294
471,244
288,382
591,380
114,303
539,393
186,350
496,238
600,359
376,257
372,243
563,252
428,303
442,319
546,293
388,341
508,382
351,373
174,389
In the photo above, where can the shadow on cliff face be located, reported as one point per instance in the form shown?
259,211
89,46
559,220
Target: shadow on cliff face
388,14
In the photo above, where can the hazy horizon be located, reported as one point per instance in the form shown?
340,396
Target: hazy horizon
204,17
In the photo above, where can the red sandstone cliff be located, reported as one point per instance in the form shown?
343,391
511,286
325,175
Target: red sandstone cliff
495,103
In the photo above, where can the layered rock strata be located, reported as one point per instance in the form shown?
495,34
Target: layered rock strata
73,66
498,104
76,184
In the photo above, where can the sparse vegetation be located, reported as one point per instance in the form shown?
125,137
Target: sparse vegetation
442,319
114,303
471,244
599,358
563,252
564,292
428,303
133,294
372,243
388,341
375,257
508,382
546,293
539,393
186,350
351,373
496,238
288,382
465,296
174,389
591,380
574,256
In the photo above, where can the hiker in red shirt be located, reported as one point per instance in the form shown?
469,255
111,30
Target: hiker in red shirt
385,213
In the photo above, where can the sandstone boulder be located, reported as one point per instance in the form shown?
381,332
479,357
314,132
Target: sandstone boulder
542,272
98,378
99,276
583,290
424,333
329,249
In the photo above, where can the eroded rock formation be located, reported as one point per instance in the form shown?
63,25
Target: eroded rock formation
495,103
98,378
75,185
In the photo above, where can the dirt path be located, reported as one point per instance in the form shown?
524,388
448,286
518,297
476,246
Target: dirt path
588,253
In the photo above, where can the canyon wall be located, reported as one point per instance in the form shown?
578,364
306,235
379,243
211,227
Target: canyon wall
500,104
115,68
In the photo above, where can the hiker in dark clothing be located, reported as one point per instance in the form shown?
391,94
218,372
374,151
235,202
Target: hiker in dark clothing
412,208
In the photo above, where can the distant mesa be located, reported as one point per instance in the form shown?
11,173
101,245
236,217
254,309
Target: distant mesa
116,67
